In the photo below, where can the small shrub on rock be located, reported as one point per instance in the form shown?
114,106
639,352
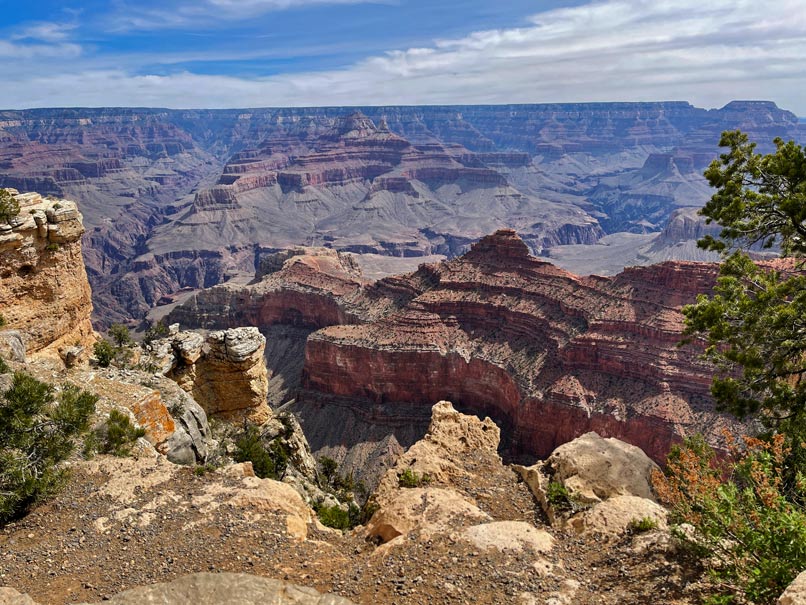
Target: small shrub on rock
118,435
9,206
642,525
410,478
267,461
39,432
4,368
558,496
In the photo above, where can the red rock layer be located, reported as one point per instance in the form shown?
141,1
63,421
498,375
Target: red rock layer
549,354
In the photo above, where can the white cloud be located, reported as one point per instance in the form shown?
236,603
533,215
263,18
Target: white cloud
45,31
206,12
705,52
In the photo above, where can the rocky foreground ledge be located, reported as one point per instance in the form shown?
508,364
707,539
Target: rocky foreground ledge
467,529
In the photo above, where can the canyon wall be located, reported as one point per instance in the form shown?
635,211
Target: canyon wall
547,354
177,199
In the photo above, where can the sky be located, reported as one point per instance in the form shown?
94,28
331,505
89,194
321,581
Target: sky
266,53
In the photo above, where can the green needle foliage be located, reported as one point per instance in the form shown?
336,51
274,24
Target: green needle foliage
755,323
39,431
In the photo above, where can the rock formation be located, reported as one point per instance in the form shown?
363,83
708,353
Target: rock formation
225,372
548,354
795,594
219,589
44,293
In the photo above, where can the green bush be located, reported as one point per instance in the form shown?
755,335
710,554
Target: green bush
334,516
39,431
642,525
104,353
749,524
9,206
557,495
52,247
328,468
155,331
4,369
2,320
410,478
119,334
118,435
268,462
338,518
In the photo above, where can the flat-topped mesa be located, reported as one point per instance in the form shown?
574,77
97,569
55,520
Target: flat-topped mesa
44,292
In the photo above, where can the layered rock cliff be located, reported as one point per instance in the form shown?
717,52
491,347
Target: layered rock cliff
44,293
547,354
178,199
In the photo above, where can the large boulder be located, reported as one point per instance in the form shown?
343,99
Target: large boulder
430,510
511,536
9,596
592,469
223,588
616,515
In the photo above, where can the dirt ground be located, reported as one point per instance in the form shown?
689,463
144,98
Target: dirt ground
93,541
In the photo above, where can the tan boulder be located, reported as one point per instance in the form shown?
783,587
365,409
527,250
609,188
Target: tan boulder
592,469
267,495
513,536
615,516
795,594
9,596
224,588
429,510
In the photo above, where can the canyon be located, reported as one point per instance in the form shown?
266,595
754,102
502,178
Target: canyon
184,199
547,354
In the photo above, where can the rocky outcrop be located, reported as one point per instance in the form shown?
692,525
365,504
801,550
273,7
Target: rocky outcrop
225,372
175,424
44,292
596,486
